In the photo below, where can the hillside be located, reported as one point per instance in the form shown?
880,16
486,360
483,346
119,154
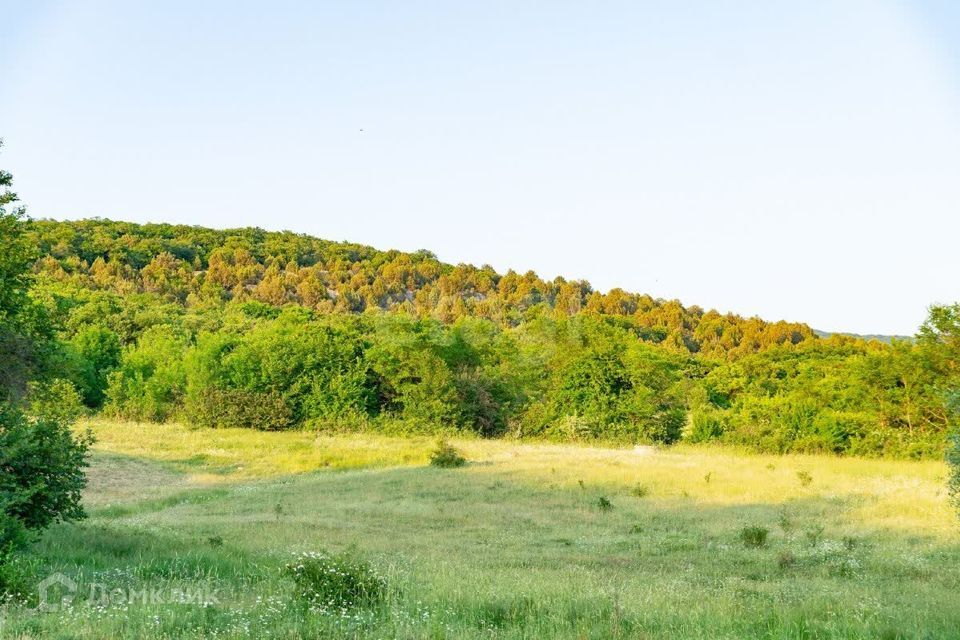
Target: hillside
193,266
860,336
264,330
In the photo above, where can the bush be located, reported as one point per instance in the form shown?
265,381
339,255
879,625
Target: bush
15,579
280,373
96,352
483,403
414,383
604,384
446,456
335,582
228,408
953,454
150,382
42,475
626,396
754,537
704,425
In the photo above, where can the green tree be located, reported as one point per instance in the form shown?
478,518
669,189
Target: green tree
23,334
150,382
41,462
953,451
940,338
96,351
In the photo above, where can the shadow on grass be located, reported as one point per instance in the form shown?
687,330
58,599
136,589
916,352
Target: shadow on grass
85,551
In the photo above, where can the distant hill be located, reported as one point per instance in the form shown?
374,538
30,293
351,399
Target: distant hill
195,267
868,337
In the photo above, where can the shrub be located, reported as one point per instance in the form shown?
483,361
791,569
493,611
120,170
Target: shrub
415,383
640,490
151,381
832,396
446,456
227,408
483,402
604,504
611,387
42,475
96,352
953,455
280,373
805,478
953,459
704,425
754,536
15,579
336,581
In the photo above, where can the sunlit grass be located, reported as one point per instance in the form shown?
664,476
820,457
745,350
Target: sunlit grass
220,455
882,493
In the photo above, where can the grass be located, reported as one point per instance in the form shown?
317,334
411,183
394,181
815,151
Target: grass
514,545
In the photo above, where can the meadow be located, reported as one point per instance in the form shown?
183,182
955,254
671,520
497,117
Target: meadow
526,541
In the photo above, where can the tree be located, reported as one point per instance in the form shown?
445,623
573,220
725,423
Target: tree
953,452
41,462
19,328
97,353
940,338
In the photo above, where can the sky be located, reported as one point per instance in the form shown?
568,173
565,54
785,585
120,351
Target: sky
792,160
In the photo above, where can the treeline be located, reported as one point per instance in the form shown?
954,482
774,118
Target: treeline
198,268
276,330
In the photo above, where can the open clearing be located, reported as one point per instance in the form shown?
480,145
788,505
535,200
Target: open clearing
518,544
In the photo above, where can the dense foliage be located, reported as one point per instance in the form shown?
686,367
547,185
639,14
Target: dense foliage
42,475
940,339
332,582
278,330
953,456
201,268
41,462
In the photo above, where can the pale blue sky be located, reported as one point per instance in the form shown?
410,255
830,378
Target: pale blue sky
795,160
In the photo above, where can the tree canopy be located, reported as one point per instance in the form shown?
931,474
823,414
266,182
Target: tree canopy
276,330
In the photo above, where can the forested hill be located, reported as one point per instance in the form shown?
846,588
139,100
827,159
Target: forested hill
277,330
879,337
196,267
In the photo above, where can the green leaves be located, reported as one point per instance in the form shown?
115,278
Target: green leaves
43,474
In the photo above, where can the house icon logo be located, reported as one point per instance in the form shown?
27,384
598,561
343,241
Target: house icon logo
57,591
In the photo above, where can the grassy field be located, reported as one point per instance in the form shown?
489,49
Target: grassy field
527,541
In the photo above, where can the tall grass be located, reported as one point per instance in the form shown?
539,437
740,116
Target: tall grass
510,546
